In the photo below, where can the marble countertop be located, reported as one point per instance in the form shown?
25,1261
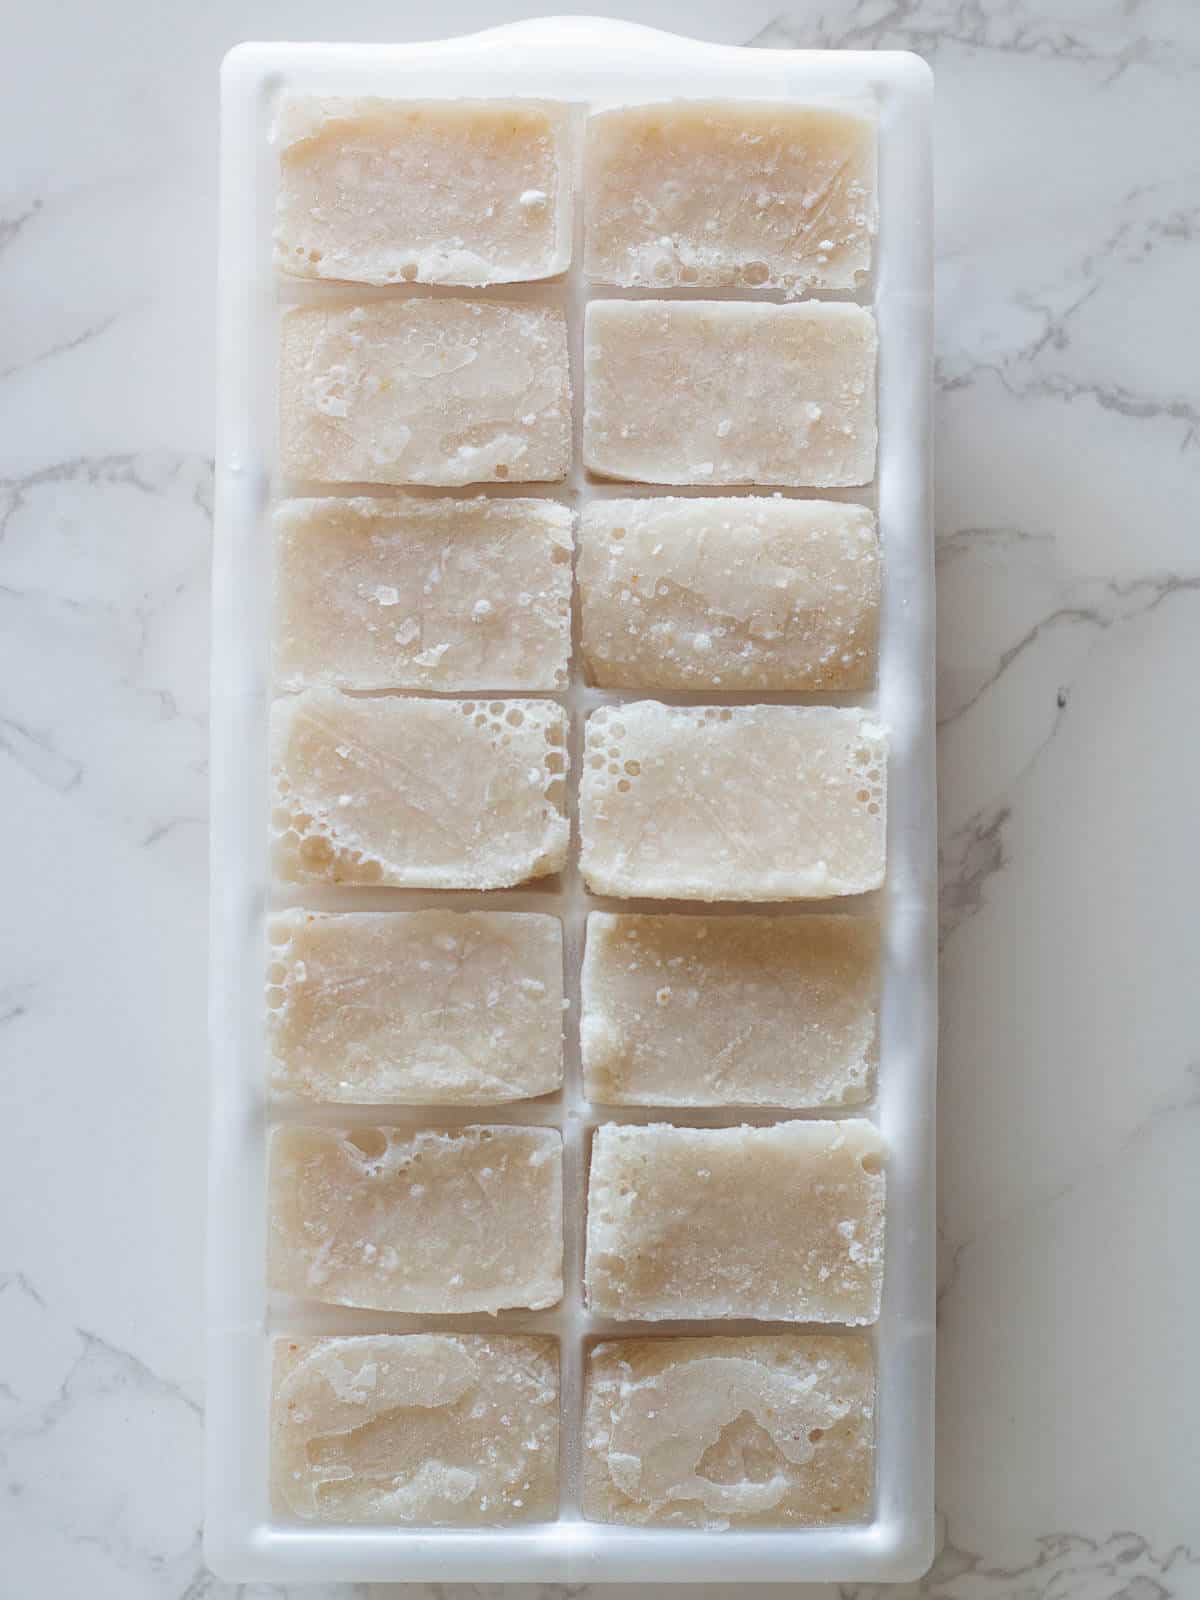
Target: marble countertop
1069,588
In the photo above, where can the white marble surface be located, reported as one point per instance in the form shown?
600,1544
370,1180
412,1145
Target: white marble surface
1069,447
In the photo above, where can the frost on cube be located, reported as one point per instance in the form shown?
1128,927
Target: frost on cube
774,1430
758,393
422,594
781,1223
439,1221
725,194
434,1428
732,803
729,593
424,391
415,1007
431,794
386,191
735,1010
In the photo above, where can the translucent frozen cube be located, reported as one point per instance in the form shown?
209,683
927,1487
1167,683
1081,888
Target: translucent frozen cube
758,393
736,1010
428,794
732,803
465,1219
422,594
767,1431
433,1428
781,1223
424,391
718,193
730,594
422,191
415,1007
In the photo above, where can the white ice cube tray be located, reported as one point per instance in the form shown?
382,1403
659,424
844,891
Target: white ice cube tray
591,64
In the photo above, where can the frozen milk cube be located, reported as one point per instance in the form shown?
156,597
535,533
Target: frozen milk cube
467,1219
783,1223
731,594
717,193
433,1428
726,391
740,1010
424,794
422,594
444,392
422,191
763,1431
415,1007
732,802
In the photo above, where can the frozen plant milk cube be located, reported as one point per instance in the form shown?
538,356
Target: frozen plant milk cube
415,1007
717,193
730,594
433,1428
726,391
738,1010
423,594
466,1219
732,802
422,391
767,1431
421,794
422,191
783,1223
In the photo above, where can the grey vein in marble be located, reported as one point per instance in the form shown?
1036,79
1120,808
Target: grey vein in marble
149,471
14,1004
1063,1565
966,860
1131,598
12,227
1019,368
95,1372
968,541
63,347
1011,29
160,830
35,750
55,596
1183,1100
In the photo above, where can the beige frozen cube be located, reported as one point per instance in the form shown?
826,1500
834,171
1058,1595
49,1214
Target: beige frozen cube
735,1010
775,1430
729,593
423,594
422,191
424,391
732,802
433,1428
415,1007
421,794
724,193
726,391
466,1219
782,1223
